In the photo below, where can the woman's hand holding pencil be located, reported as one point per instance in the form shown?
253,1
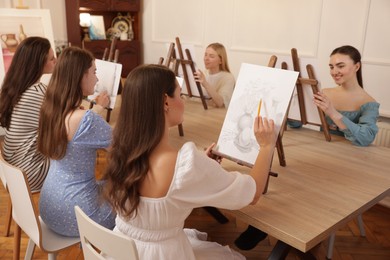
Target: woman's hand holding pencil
264,129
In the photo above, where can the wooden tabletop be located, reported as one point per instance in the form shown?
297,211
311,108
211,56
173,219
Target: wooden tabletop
323,186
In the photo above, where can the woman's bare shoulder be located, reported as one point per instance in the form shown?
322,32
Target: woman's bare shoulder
367,97
73,120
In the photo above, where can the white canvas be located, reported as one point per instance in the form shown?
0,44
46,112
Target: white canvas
274,87
109,76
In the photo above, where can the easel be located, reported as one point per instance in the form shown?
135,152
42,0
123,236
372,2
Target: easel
175,62
312,81
279,144
111,56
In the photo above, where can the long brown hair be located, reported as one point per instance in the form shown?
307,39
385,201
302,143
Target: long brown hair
139,129
25,70
354,54
221,51
63,96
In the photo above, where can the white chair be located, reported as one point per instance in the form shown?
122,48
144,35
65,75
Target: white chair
8,214
24,213
111,245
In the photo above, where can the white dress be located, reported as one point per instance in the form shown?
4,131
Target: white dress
198,181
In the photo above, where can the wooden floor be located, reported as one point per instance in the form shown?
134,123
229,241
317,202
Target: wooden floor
202,127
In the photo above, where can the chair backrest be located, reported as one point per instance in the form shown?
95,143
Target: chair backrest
112,245
24,211
2,176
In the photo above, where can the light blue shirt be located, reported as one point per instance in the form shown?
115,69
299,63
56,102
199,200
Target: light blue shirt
361,124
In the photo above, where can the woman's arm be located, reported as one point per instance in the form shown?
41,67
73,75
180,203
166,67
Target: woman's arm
217,98
361,133
325,104
101,101
364,131
266,137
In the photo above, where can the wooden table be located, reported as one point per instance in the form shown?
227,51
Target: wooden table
323,186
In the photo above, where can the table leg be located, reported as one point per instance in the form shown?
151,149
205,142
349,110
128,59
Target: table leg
280,251
217,214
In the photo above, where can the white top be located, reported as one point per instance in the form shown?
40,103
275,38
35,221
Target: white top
198,181
223,82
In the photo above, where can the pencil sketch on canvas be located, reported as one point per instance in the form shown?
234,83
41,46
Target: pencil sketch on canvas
274,87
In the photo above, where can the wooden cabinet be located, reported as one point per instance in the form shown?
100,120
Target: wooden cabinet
110,5
129,51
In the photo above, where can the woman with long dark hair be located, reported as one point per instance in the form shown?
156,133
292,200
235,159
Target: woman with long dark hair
154,186
70,135
21,98
350,111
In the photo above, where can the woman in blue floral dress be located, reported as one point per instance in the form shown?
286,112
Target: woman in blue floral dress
70,137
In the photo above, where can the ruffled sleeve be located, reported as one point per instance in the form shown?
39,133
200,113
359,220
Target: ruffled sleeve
200,181
93,132
364,131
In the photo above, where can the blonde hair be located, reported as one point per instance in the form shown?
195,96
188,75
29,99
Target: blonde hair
221,51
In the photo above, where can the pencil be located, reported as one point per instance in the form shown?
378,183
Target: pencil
259,108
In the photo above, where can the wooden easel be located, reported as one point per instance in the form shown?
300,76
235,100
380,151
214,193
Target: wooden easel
312,81
111,56
174,62
279,144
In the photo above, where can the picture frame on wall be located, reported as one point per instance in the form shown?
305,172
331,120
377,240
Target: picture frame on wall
36,22
97,30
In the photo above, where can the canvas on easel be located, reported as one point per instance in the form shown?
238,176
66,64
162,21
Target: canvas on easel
109,75
274,87
301,107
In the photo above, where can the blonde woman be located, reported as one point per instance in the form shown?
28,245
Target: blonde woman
218,80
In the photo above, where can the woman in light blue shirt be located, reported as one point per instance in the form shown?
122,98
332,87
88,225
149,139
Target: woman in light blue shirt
350,110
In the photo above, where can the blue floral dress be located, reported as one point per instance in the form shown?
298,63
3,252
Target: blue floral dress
71,180
361,124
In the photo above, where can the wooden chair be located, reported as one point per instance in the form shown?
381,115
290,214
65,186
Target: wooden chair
111,245
26,218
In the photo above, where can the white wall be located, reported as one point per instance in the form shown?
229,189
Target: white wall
253,30
57,11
